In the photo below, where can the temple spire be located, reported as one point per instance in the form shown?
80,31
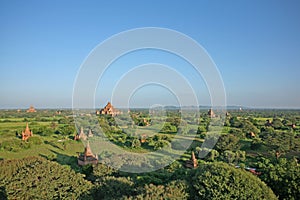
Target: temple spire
27,127
87,157
88,151
26,133
193,158
192,163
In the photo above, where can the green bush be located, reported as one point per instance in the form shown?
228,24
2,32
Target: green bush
38,178
217,181
35,140
13,145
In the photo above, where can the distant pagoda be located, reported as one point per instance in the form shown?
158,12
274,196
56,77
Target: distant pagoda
90,134
27,133
87,157
31,110
109,110
80,135
192,163
211,113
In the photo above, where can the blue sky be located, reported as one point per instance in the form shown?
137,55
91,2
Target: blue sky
255,45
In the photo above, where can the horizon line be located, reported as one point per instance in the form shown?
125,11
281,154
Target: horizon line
145,107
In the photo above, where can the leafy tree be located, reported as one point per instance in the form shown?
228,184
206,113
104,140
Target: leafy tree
266,130
161,144
38,178
280,142
277,124
53,125
63,121
174,120
234,157
136,143
227,142
286,122
256,144
228,156
184,130
173,190
240,156
217,181
67,130
235,122
248,127
253,121
212,154
168,128
238,133
283,176
174,166
101,170
201,129
35,140
111,187
44,131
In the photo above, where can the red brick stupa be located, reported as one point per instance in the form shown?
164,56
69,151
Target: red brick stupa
27,133
31,110
109,110
192,163
80,135
87,157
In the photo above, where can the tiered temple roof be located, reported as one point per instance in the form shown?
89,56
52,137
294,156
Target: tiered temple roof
87,157
109,110
27,133
31,109
211,113
80,135
90,133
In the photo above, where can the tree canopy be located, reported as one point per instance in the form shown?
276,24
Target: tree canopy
38,178
283,176
221,181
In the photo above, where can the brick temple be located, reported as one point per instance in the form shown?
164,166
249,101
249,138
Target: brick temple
211,113
87,157
192,163
31,110
109,110
27,133
80,135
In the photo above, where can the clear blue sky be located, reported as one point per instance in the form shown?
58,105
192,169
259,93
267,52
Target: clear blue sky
255,45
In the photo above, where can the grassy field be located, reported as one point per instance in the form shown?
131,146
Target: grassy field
19,126
46,149
63,149
54,147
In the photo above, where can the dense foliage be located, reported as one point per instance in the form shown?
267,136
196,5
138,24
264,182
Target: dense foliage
283,176
38,178
221,181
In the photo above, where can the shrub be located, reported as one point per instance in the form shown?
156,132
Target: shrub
221,181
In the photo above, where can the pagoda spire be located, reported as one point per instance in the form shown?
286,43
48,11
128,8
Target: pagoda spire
27,127
192,163
193,158
26,133
87,157
88,151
